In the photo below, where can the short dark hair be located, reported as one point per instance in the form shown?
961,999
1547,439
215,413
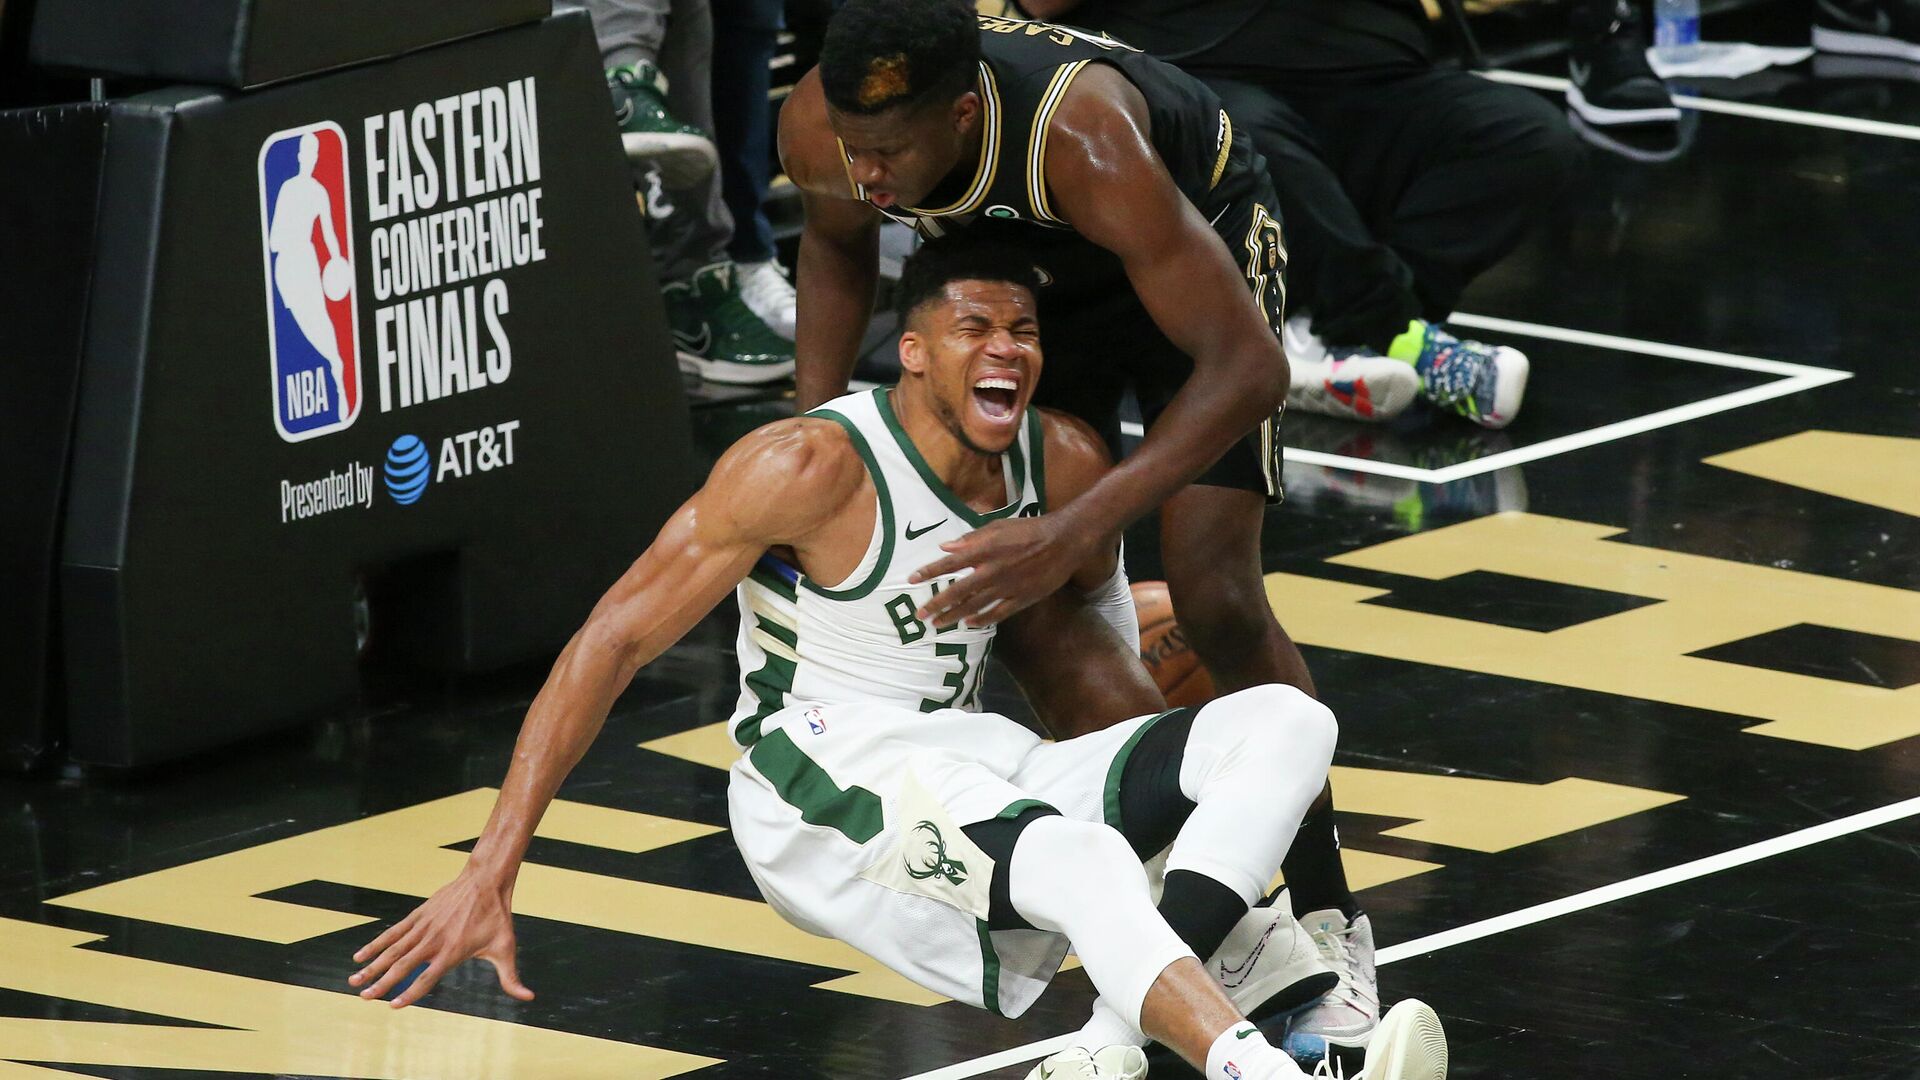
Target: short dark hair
942,262
883,53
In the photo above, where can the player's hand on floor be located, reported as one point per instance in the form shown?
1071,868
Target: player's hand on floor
468,917
1015,564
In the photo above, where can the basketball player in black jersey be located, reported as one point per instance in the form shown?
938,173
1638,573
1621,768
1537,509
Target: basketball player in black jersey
1151,220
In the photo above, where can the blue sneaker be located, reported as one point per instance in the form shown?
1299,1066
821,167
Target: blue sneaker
1483,383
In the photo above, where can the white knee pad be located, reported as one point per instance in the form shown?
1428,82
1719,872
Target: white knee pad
1255,762
1082,880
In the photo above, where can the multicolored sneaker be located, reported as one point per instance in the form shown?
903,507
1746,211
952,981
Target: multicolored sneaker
1341,1024
1353,384
651,134
718,337
1483,383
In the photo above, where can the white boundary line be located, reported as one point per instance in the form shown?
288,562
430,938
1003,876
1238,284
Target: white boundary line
1736,108
1794,379
1500,924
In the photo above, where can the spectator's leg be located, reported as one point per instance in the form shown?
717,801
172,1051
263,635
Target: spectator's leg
628,31
1357,289
744,37
691,240
1450,170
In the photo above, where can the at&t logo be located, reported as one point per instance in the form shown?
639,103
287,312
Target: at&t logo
408,465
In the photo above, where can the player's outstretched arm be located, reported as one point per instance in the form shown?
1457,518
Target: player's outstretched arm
839,266
777,486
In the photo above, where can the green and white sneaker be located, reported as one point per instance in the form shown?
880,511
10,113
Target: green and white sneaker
653,136
718,337
1483,383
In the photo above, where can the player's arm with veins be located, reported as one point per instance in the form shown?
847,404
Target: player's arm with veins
1076,653
705,550
839,264
1109,182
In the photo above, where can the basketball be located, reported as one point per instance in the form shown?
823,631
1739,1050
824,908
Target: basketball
337,279
1174,665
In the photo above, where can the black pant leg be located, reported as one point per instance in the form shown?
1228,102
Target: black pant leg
744,38
1448,169
1354,285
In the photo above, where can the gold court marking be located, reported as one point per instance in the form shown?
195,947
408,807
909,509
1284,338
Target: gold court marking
1879,470
272,1028
1640,653
405,851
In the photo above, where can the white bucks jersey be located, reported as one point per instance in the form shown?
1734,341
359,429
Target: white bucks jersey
858,641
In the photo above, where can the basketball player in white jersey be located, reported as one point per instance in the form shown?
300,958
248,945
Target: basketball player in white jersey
297,270
872,803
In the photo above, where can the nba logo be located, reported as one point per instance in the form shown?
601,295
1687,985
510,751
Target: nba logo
313,327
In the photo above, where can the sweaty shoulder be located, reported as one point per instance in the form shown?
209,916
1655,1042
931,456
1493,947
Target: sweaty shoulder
1101,110
1076,456
809,153
787,478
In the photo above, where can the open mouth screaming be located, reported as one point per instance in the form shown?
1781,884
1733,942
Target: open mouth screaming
997,397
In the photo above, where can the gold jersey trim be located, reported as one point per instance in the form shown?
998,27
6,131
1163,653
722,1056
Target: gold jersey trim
1037,141
989,164
1226,144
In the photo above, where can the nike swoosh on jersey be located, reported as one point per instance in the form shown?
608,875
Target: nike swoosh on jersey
915,534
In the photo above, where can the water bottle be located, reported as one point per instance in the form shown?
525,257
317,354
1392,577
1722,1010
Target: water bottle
1676,30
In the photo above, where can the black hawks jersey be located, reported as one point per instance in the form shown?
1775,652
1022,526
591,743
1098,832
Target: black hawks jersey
1025,71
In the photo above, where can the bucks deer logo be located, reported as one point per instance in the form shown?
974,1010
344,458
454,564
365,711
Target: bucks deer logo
933,861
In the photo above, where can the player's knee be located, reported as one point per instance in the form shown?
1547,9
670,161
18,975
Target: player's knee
1060,864
1223,618
1280,730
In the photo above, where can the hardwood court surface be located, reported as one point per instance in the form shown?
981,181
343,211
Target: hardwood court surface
1621,659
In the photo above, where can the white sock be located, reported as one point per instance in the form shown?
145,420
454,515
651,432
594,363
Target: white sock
1243,1053
1106,1027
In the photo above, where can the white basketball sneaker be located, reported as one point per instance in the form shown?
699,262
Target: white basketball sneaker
1079,1063
1342,1023
1410,1044
1353,384
1269,965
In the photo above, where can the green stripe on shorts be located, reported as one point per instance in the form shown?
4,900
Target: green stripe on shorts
855,811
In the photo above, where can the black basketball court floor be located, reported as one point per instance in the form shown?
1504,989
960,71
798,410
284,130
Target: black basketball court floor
1629,695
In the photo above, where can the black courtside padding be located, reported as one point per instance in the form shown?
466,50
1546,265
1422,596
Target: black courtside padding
517,431
243,43
47,199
